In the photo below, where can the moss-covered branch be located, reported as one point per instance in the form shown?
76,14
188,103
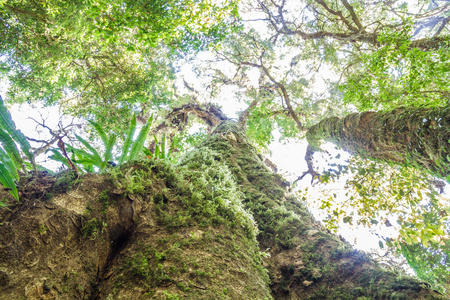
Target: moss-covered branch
413,136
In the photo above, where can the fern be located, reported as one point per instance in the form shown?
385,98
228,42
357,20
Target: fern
128,140
7,180
8,125
10,159
137,146
91,158
11,149
160,149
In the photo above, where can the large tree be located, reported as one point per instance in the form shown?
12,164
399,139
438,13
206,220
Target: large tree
109,59
218,224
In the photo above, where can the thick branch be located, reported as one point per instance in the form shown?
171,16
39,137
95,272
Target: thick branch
244,116
412,136
352,13
178,117
354,34
286,98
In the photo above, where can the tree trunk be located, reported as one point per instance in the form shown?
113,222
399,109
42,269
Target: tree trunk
217,225
414,136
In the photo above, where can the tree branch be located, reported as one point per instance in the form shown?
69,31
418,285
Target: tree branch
352,13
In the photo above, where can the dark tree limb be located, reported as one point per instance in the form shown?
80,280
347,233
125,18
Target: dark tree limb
245,114
309,161
280,87
350,33
54,133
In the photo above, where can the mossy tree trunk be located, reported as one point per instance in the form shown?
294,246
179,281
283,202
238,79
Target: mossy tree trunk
412,136
217,226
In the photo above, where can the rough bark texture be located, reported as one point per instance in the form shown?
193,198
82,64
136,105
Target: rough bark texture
152,231
414,136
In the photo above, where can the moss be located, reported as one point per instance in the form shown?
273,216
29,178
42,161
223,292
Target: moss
204,242
215,194
93,228
104,198
66,180
48,196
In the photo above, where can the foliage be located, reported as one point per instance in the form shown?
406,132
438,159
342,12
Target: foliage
161,151
91,159
104,58
10,159
380,196
431,263
397,74
128,153
109,59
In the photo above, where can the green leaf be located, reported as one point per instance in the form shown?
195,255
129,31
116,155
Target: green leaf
3,204
108,149
81,154
100,132
128,140
147,152
57,156
137,146
5,159
7,179
157,151
95,156
389,242
163,147
7,123
11,149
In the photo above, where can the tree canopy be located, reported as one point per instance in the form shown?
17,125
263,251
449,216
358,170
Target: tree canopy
371,77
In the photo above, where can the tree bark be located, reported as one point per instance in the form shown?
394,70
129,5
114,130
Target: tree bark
149,230
412,136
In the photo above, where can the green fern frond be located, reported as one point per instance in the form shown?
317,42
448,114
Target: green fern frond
137,146
11,149
7,123
128,140
94,154
7,179
108,149
9,164
100,132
